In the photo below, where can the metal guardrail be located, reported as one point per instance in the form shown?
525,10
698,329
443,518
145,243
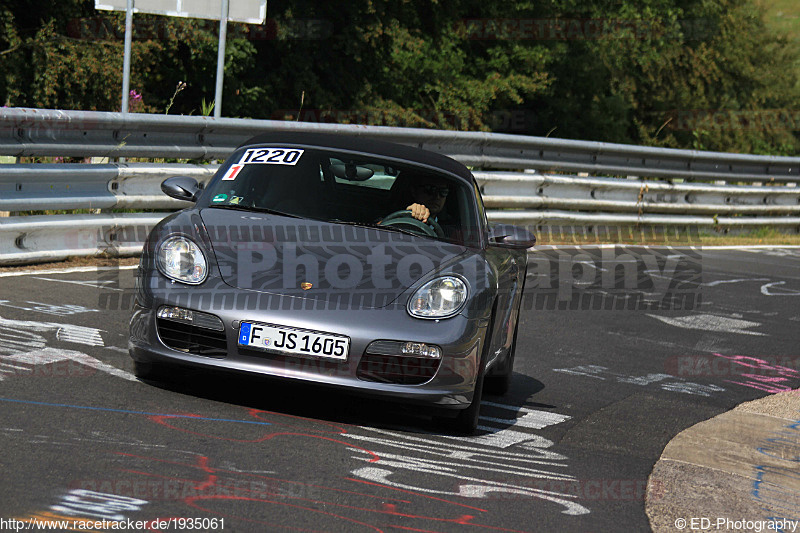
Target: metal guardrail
37,187
40,132
535,199
137,186
511,197
503,190
53,237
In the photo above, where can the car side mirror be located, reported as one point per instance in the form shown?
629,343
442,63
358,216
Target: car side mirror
182,188
508,236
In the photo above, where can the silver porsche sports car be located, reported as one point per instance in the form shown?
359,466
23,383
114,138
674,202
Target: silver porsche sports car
336,260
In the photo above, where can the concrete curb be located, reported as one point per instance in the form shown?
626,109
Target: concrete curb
739,471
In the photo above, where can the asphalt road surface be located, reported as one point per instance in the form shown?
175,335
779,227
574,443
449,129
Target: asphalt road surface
619,350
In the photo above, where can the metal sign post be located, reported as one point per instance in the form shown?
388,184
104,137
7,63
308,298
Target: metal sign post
247,11
223,33
126,62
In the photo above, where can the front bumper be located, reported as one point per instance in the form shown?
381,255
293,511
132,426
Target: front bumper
451,386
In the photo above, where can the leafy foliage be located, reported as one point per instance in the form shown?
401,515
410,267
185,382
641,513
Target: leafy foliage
682,73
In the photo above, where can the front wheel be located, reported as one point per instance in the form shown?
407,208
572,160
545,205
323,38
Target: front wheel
150,371
499,384
466,422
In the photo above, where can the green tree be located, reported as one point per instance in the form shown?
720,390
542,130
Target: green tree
673,75
683,73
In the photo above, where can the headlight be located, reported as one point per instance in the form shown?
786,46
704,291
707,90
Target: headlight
180,259
439,298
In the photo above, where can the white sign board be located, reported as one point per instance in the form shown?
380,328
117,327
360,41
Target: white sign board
249,11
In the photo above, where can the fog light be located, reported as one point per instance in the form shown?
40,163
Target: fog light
195,318
419,348
177,314
404,349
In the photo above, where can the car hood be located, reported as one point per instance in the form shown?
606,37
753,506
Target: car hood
308,259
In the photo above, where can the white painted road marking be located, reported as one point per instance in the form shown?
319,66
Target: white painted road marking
80,335
53,355
711,323
679,385
50,309
95,284
21,343
469,461
775,289
742,280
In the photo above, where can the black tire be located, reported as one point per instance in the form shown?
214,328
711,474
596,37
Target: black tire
498,384
150,371
466,422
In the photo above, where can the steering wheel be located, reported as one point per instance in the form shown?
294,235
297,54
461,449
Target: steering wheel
405,220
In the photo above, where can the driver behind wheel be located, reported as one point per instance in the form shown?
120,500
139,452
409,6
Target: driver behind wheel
423,199
427,196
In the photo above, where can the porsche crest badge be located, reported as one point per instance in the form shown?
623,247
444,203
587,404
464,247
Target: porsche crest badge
305,285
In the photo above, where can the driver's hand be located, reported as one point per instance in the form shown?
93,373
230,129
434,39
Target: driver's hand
419,211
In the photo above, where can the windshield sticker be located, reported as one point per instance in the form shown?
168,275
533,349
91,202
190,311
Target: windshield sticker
220,198
236,199
232,172
271,156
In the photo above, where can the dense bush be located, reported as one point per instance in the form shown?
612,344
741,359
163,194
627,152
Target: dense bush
683,73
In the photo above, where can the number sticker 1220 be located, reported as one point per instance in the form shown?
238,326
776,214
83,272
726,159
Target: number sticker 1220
271,156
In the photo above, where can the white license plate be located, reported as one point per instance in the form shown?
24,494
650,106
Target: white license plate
293,341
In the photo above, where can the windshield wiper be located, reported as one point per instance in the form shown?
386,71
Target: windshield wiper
407,232
351,223
373,226
254,209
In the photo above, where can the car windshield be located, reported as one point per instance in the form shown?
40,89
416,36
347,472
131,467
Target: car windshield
344,188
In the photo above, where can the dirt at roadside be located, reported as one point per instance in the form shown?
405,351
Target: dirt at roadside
74,262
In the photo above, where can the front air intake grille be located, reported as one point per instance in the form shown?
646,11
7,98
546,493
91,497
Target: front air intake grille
192,339
397,370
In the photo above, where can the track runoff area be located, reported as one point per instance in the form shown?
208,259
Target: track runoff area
620,349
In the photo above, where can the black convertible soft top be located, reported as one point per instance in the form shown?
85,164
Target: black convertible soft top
365,145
